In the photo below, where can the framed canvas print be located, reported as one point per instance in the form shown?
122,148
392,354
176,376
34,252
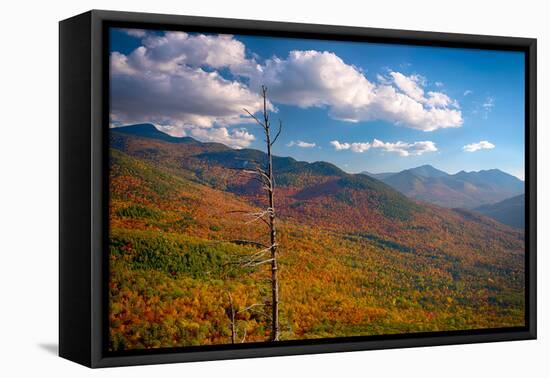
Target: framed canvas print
233,188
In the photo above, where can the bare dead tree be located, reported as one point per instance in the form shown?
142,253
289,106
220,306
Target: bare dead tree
268,252
232,312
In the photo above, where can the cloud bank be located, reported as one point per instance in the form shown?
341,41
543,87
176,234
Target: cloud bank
482,145
166,82
401,148
194,84
301,144
322,79
355,147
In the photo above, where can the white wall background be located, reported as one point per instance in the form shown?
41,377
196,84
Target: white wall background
29,188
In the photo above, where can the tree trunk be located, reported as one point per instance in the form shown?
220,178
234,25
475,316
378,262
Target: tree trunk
272,231
268,184
232,318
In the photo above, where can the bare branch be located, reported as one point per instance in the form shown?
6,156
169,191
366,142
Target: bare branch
278,132
257,216
252,264
252,260
255,119
258,219
263,173
261,252
255,256
266,113
259,171
251,242
250,307
260,180
261,218
263,313
238,212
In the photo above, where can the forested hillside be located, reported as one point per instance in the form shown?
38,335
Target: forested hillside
356,256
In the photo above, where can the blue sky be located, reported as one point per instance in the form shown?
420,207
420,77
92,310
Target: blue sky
361,106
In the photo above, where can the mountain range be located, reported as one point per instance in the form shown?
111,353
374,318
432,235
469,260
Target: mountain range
222,167
357,257
467,190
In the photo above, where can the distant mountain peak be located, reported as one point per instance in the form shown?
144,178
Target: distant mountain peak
148,130
427,170
462,189
139,129
139,126
481,171
494,173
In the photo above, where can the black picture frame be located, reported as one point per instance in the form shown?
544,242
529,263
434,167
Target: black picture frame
83,196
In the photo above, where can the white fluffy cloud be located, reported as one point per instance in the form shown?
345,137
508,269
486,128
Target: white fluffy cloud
355,147
174,81
197,50
164,82
441,100
396,107
301,144
406,149
186,97
137,33
482,145
402,148
410,85
338,146
322,79
236,138
313,79
360,147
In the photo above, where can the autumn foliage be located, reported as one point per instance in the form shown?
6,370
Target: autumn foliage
356,257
